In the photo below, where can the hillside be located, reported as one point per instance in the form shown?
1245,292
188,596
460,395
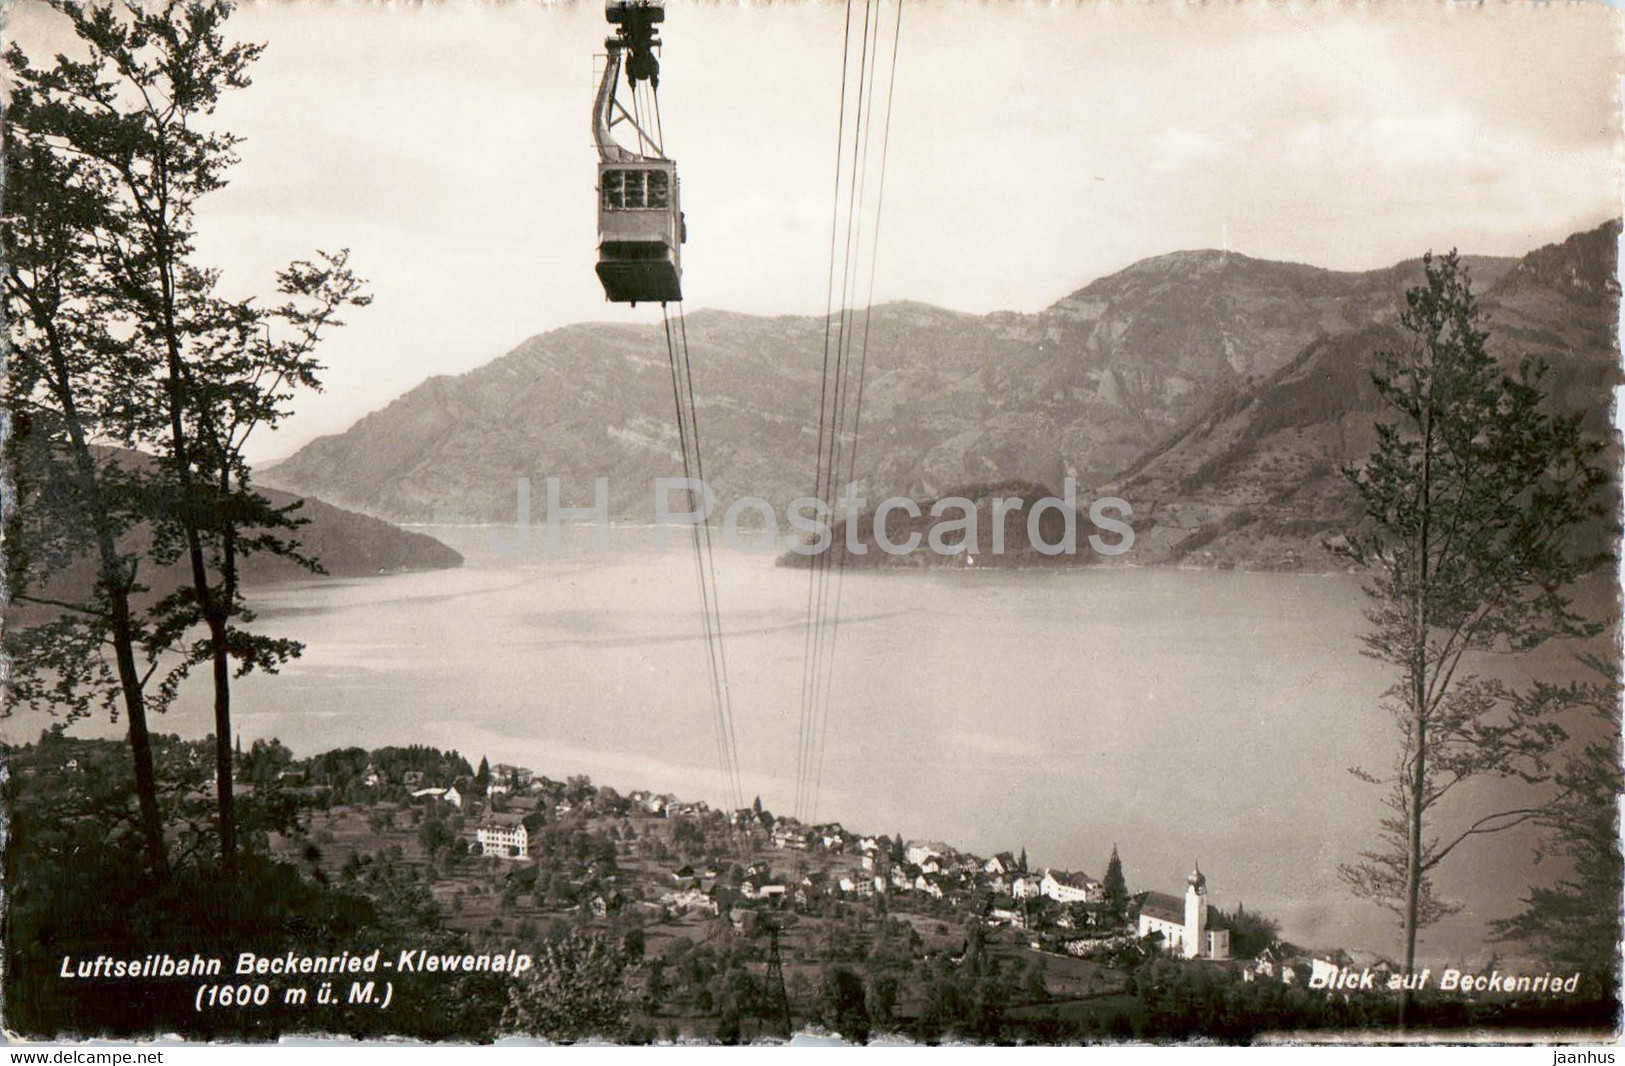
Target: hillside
1207,388
1253,479
347,544
350,544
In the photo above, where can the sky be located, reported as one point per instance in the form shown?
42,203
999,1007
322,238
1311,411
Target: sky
1033,148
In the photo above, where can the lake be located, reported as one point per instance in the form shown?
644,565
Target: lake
1181,715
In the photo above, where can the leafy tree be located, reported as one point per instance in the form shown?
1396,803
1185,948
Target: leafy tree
70,848
435,831
842,1006
1116,887
196,372
657,986
1250,932
77,501
1471,497
1036,984
576,990
1574,925
264,761
884,992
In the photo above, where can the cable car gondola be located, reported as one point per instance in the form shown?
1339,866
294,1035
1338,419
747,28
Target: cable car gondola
640,219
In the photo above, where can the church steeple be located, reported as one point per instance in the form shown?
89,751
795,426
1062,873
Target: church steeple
1194,940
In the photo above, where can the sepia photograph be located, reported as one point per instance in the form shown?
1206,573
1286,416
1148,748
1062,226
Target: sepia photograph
1125,554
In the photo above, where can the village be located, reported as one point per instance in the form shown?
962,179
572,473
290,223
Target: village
669,859
735,924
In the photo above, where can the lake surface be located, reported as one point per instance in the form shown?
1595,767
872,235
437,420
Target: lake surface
1182,715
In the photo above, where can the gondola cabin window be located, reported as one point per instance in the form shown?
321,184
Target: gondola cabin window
636,190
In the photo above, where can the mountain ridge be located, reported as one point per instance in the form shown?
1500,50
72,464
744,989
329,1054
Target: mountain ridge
346,543
1108,375
1253,479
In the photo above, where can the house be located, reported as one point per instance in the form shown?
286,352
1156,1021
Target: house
790,836
448,795
1296,971
1027,886
750,818
833,836
798,839
756,877
1001,864
1184,924
919,851
513,776
691,899
1325,966
1267,963
412,779
1063,887
505,836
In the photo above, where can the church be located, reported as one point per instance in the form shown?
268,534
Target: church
1184,924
